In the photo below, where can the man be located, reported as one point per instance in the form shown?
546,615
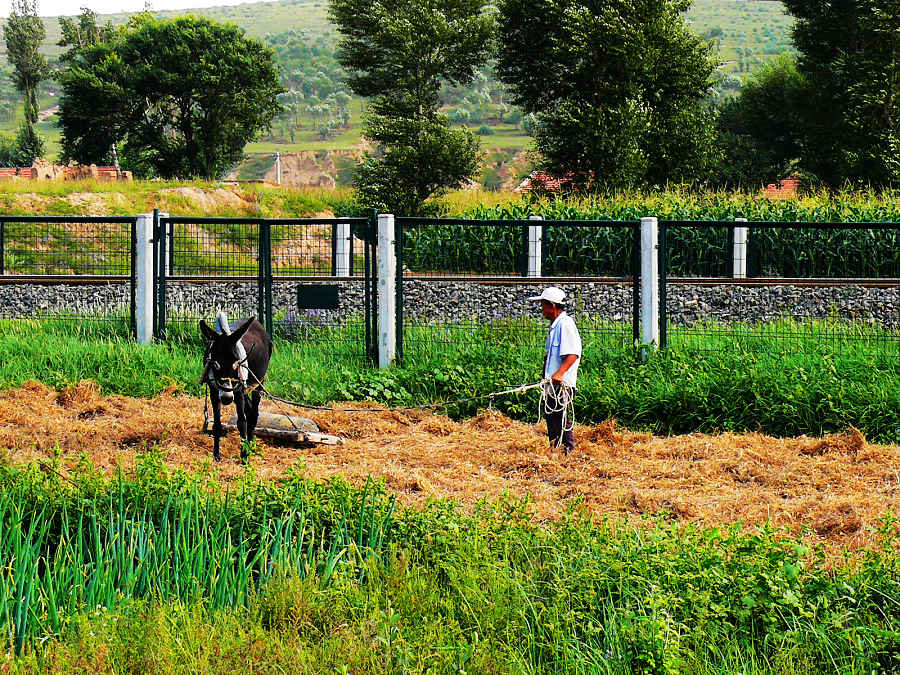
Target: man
560,367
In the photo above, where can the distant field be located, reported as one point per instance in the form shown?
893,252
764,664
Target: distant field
747,32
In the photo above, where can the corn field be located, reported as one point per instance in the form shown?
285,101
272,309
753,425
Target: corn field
699,251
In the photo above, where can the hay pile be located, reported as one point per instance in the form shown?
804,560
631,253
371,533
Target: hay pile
838,486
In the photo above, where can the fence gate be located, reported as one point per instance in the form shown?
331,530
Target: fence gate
308,280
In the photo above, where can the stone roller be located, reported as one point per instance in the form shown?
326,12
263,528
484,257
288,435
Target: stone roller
284,428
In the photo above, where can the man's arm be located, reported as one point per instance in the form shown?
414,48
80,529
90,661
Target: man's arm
568,360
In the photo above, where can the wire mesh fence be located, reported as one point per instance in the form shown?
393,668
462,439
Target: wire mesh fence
788,287
297,276
76,272
66,246
319,285
463,285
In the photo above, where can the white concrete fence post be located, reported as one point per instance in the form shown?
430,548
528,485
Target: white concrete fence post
278,168
535,236
143,292
650,282
740,250
386,263
169,234
342,250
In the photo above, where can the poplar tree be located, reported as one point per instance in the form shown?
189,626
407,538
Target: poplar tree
397,53
24,32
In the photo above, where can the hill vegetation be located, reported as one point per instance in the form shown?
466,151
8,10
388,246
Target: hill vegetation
321,114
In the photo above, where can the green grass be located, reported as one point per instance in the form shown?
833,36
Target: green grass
167,572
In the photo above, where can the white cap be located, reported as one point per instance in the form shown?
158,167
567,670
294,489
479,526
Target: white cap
551,294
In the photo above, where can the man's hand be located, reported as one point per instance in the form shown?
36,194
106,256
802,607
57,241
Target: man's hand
568,360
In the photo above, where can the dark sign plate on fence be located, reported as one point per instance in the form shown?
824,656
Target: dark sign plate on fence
317,297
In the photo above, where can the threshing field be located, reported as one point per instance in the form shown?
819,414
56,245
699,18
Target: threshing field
833,490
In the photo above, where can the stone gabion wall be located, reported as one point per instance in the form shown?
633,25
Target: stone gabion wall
450,302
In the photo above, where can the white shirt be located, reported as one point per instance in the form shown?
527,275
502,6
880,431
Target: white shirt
562,340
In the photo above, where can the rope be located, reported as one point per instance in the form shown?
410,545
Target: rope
426,406
553,399
558,399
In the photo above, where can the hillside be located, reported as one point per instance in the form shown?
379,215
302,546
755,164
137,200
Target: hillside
320,116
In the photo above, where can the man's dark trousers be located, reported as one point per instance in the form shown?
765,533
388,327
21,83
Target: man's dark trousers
554,430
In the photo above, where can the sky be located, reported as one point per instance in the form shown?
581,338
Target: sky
73,7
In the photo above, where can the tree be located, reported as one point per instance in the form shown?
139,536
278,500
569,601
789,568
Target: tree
762,129
618,88
82,33
398,53
180,98
24,33
850,58
29,145
406,173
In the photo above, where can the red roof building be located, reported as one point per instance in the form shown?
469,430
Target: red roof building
783,189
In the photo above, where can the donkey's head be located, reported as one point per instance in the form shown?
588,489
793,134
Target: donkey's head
224,362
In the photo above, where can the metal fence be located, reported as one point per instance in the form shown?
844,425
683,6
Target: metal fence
78,271
286,272
463,284
804,286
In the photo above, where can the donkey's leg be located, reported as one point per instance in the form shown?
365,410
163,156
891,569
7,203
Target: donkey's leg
253,413
217,421
240,405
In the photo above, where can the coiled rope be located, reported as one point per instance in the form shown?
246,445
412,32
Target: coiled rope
558,398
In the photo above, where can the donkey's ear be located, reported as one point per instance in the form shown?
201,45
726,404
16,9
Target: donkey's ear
207,332
238,332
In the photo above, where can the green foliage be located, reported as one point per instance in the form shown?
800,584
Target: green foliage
381,386
761,129
24,32
848,57
421,157
7,149
169,569
81,34
617,90
408,48
399,55
163,535
182,97
28,146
